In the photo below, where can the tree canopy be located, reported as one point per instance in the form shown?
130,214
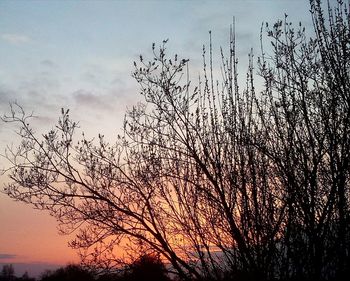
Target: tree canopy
217,179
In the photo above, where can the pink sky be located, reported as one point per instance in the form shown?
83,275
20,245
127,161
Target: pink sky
31,236
29,239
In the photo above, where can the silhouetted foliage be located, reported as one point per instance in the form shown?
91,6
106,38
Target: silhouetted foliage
147,268
8,274
26,277
68,273
110,277
220,182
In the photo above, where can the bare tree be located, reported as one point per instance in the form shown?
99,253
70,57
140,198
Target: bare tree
214,179
304,111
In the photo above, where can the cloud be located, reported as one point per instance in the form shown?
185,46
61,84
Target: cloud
14,38
90,77
86,98
7,256
48,63
6,95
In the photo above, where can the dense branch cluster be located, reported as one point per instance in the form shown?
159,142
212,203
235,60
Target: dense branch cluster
217,180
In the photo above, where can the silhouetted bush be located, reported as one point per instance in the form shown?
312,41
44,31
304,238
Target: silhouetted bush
109,277
68,273
147,268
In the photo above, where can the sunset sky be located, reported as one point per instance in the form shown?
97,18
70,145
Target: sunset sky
79,55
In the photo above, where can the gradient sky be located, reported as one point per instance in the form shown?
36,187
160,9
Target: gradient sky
79,55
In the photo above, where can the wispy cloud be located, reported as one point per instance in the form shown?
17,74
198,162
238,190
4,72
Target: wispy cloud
83,97
15,38
6,256
48,63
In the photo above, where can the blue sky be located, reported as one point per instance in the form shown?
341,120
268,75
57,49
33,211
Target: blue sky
79,55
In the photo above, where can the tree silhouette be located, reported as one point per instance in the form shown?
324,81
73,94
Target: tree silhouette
68,273
25,277
216,180
7,273
147,268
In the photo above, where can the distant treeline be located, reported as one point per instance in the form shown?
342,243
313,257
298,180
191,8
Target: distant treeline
144,268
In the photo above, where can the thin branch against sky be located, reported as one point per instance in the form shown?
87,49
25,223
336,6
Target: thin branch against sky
79,55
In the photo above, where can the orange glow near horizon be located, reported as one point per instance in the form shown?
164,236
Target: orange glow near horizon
31,236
